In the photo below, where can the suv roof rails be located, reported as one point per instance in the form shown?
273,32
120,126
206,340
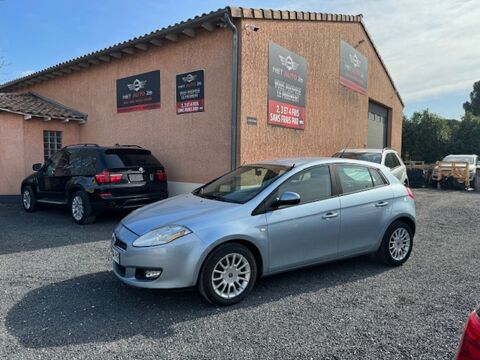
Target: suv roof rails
137,146
86,144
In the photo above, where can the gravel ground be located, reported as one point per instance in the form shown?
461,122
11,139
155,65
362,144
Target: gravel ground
59,300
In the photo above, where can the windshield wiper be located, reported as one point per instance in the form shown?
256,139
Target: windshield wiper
219,198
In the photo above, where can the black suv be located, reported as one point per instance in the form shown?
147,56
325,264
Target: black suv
89,177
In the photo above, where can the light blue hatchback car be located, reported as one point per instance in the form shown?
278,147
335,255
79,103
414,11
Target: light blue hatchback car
263,219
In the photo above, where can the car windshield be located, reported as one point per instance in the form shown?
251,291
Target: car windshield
456,158
242,184
365,156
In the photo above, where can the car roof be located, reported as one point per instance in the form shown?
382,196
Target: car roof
461,155
370,150
307,161
100,147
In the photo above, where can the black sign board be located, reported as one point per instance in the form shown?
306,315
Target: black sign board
353,68
139,92
190,92
287,79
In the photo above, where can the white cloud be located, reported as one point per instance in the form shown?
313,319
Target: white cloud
431,48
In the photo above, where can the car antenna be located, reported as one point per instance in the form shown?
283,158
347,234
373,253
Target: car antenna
345,148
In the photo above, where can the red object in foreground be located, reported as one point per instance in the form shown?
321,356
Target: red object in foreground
410,193
106,178
470,344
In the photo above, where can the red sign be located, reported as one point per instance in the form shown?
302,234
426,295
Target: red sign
190,106
286,115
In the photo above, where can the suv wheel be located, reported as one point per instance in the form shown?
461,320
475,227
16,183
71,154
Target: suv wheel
396,245
228,274
29,200
81,208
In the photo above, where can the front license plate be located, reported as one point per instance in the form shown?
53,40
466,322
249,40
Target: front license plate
116,256
135,177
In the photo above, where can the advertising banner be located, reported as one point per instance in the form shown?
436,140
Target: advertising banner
139,92
353,68
287,79
190,92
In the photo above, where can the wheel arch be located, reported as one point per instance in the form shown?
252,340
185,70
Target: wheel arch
407,220
247,243
72,190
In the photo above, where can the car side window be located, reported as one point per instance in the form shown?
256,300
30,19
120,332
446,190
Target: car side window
378,180
53,163
82,162
313,184
354,178
391,161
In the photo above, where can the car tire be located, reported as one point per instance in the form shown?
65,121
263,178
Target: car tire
227,275
397,244
29,199
81,209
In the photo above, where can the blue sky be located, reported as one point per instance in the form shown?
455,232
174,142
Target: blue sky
431,52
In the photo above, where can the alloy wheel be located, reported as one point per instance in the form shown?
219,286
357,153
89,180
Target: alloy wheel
27,199
77,208
231,275
399,244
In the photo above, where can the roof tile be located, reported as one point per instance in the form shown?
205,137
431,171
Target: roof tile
36,105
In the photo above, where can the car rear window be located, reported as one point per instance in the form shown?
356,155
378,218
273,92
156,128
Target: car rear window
121,158
365,156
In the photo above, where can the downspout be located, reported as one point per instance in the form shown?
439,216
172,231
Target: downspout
234,120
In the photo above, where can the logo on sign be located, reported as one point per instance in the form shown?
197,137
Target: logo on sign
288,62
137,85
355,60
189,78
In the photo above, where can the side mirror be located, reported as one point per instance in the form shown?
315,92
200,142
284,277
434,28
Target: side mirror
36,167
287,198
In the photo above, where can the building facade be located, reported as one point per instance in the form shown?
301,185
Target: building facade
230,87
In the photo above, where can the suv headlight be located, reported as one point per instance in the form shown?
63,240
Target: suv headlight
161,236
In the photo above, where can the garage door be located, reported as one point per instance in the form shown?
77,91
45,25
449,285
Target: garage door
377,126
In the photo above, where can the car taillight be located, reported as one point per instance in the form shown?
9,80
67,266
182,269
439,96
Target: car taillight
410,193
470,343
105,177
160,175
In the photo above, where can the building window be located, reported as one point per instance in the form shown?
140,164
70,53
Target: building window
52,142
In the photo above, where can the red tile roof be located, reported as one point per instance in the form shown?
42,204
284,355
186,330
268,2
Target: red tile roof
38,106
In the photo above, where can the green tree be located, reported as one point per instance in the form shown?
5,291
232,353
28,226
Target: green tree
466,137
473,106
427,136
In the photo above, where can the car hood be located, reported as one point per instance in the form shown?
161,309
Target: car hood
186,210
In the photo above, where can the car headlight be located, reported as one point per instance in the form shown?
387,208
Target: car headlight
161,236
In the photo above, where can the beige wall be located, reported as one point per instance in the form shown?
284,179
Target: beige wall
334,114
21,145
196,147
12,156
193,147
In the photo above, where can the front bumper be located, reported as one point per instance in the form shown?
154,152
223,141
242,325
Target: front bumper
178,261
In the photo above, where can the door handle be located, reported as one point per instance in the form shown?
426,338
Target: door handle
381,204
330,215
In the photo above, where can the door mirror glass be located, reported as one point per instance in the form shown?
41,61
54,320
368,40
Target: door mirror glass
288,198
36,167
